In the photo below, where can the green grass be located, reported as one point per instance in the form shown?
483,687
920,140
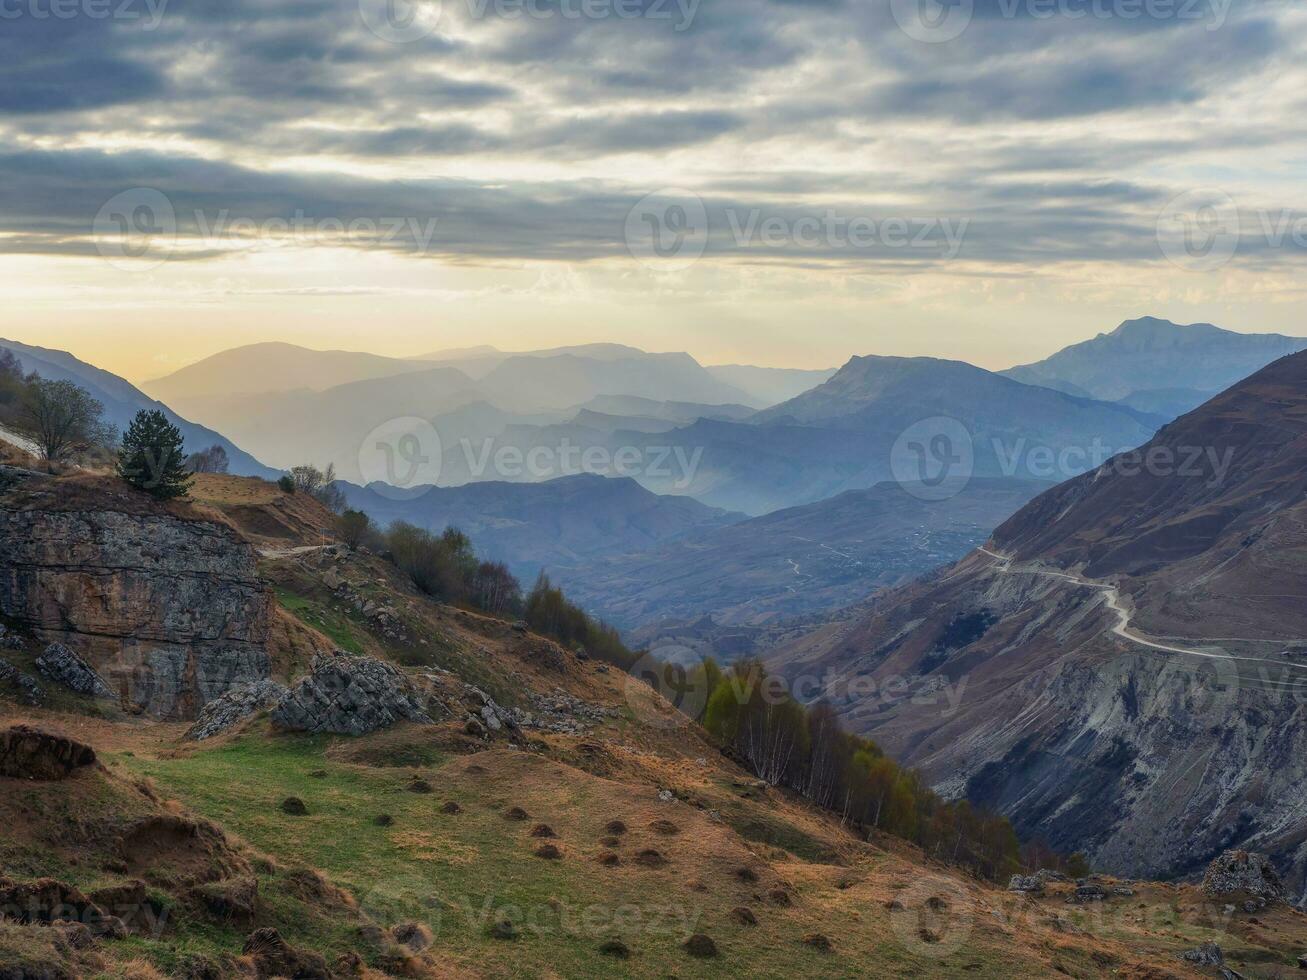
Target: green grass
335,625
457,873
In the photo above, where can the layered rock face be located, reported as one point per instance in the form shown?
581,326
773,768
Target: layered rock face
168,611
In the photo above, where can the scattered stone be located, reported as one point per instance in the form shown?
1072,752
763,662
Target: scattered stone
666,796
701,946
543,830
1033,884
744,916
549,852
294,806
349,696
29,753
615,948
615,827
233,707
274,957
29,692
383,820
516,813
650,858
1084,894
421,787
1123,891
451,808
665,827
1244,873
1208,954
818,941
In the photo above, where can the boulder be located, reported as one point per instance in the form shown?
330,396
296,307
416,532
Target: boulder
29,753
234,707
1240,872
349,696
29,692
1026,883
1208,954
64,667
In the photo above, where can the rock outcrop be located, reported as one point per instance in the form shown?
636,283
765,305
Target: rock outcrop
168,610
1243,873
29,692
29,753
349,696
234,707
64,667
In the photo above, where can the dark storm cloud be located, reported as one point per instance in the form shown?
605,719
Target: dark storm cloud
928,126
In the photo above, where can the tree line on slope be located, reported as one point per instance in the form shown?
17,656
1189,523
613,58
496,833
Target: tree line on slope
805,748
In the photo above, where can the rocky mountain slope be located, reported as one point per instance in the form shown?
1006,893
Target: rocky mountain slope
1121,667
535,814
1155,365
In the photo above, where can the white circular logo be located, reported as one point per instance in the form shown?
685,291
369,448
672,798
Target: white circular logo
401,21
675,672
934,459
1199,229
668,230
399,456
932,21
932,917
136,230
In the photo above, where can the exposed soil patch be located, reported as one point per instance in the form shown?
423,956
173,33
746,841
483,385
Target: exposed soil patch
29,753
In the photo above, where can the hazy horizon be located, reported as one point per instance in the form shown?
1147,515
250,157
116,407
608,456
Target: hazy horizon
142,366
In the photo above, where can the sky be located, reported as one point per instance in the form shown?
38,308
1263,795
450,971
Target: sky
779,182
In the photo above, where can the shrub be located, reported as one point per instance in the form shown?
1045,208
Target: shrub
286,484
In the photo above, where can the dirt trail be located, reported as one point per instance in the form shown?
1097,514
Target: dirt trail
1122,627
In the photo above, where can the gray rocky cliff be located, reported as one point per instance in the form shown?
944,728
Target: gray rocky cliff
168,610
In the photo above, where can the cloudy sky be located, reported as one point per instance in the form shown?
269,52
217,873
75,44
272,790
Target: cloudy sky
784,182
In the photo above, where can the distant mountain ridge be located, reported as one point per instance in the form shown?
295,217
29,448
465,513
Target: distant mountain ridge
535,526
122,401
1156,364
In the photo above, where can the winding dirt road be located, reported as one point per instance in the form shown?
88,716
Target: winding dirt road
1122,627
